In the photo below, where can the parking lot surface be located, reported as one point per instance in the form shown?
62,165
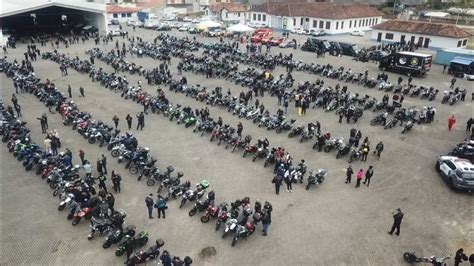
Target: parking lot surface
335,224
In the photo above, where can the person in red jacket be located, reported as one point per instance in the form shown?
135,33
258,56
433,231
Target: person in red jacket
451,122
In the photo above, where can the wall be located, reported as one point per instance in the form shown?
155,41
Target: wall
121,19
232,16
97,20
435,41
262,15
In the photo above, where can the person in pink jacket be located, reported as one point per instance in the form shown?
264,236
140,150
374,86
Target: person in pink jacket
359,176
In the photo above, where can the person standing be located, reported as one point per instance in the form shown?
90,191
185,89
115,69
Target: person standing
99,166
81,156
104,163
349,173
141,121
378,150
267,217
240,128
160,205
469,124
102,178
129,121
365,152
359,176
116,121
88,170
451,122
277,181
444,68
47,144
81,91
69,91
453,81
18,110
288,181
149,205
460,257
116,179
368,175
397,221
44,123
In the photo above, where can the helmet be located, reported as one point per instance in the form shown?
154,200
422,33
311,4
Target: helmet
146,149
160,242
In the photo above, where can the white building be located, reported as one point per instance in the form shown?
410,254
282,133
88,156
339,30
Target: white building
334,19
122,13
423,34
227,11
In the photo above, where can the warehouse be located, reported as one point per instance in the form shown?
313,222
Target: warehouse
334,19
26,17
122,13
421,34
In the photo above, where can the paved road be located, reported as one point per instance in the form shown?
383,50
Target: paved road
333,225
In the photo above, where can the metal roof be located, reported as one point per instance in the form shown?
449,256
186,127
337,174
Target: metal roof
462,60
14,7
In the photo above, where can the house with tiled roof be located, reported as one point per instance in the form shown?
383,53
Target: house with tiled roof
422,34
227,11
334,19
121,13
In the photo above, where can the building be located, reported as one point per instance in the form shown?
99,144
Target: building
334,19
122,13
26,17
227,11
203,4
423,34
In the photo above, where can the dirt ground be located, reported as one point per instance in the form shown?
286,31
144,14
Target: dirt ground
336,224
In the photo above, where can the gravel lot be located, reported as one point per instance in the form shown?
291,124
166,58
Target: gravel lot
335,224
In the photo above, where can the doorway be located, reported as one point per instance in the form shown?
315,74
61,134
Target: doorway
427,43
420,41
412,40
402,39
379,37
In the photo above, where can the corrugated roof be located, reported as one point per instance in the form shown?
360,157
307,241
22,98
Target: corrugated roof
319,10
121,9
418,27
231,7
13,7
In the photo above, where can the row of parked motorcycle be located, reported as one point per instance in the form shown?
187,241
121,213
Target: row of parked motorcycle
138,161
78,195
223,133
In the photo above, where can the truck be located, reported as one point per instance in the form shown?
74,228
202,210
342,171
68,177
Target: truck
462,68
416,64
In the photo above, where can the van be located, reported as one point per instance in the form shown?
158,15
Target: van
462,67
349,49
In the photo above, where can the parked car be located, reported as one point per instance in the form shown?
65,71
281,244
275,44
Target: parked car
287,44
163,27
377,55
458,173
115,22
214,33
184,27
295,30
115,32
192,30
357,33
277,41
187,19
318,33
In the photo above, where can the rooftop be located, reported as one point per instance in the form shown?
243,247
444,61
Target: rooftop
121,9
231,7
435,29
13,7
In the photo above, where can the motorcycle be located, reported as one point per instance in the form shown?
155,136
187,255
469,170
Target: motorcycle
410,257
316,178
408,126
143,256
243,232
139,240
199,206
115,236
213,211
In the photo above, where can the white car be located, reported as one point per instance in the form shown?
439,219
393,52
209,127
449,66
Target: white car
357,33
296,30
115,32
187,19
184,27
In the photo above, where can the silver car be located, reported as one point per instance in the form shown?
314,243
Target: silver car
457,172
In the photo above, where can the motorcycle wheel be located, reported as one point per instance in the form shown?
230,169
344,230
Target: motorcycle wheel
107,244
338,155
143,241
91,140
290,135
55,193
226,146
218,225
234,241
233,149
279,130
254,158
327,149
265,164
150,182
212,138
109,147
202,133
53,185
219,142
38,171
119,252
224,234
194,130
307,186
25,163
76,220
205,218
245,154
61,207
133,170
70,216
315,145
301,140
183,201
192,212
409,257
373,123
115,153
187,125
29,167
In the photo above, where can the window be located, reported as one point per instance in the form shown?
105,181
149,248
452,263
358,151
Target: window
350,24
360,22
328,25
226,14
123,15
337,25
342,25
115,15
464,43
367,22
301,21
259,17
321,24
264,17
238,14
129,15
459,43
376,21
254,16
389,36
315,23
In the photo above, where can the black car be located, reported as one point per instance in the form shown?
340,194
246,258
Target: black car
377,55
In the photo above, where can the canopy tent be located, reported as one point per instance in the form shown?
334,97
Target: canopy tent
240,28
208,24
